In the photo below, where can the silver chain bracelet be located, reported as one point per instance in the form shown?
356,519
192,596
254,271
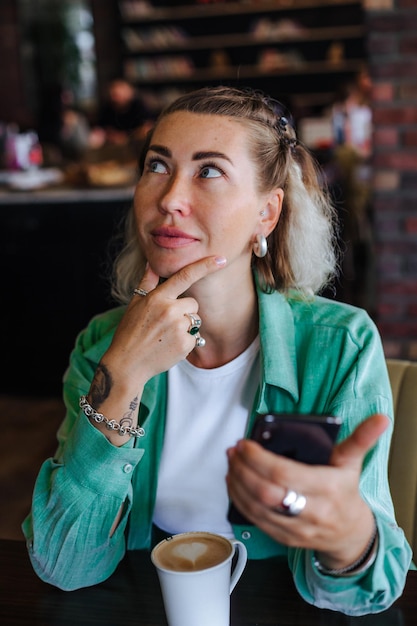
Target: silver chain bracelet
92,414
361,565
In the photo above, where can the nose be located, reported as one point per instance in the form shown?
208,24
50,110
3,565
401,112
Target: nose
176,196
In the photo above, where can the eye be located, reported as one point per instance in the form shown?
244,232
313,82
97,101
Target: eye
156,166
211,171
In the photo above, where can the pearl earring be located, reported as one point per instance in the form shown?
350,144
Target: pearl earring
260,246
262,213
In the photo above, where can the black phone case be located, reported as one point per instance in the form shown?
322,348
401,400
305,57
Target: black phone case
305,438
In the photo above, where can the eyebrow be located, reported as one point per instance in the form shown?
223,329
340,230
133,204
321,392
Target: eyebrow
162,150
197,156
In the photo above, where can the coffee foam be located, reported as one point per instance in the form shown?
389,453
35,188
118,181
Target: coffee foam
192,552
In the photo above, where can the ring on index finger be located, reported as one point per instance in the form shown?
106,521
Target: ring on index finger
195,323
292,504
140,292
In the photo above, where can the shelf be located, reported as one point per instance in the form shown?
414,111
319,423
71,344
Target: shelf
237,40
249,72
315,45
229,9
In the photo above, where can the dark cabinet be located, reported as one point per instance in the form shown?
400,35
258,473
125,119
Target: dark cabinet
55,260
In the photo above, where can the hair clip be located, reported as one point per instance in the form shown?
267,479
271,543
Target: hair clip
283,123
281,127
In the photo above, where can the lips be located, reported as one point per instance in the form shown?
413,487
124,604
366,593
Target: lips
171,237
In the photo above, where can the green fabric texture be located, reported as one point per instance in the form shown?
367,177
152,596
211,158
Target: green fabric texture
317,356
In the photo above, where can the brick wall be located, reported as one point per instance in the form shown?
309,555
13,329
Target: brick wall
392,44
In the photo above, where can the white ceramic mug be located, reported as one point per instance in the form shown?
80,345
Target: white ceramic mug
196,578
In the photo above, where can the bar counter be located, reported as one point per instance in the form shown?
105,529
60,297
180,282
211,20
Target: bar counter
62,195
264,596
55,251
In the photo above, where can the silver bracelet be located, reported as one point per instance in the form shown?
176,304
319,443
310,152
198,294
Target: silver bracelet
359,566
132,431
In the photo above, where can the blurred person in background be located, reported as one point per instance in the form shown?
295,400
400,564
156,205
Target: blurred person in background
122,117
352,124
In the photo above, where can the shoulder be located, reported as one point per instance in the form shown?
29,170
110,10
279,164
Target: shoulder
90,345
334,346
105,322
101,328
318,309
332,316
308,315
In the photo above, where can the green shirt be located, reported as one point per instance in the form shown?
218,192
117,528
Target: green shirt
317,356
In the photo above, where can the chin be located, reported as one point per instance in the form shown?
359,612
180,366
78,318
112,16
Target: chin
166,267
166,270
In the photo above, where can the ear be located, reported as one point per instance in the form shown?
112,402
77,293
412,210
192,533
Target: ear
271,211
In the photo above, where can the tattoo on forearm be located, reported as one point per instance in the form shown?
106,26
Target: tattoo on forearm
101,386
100,391
127,419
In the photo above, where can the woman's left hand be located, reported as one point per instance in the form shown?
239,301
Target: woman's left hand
336,522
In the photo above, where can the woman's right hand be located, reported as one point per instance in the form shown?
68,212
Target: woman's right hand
152,335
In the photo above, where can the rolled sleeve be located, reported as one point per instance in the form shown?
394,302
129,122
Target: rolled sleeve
92,461
372,591
77,498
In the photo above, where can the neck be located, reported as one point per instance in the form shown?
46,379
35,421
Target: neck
229,314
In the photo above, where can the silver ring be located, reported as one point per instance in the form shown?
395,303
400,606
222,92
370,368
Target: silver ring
292,504
140,292
200,342
194,327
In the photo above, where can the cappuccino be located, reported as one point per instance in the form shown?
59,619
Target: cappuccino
191,552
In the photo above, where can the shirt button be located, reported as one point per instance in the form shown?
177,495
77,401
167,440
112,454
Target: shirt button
127,468
246,534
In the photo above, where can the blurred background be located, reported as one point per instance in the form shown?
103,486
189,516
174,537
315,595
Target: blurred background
82,82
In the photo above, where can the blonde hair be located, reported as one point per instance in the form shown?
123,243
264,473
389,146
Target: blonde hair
302,250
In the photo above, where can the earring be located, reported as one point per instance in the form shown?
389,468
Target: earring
260,247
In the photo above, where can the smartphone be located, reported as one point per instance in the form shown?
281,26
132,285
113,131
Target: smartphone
305,438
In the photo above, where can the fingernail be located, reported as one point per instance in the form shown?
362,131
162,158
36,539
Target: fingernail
220,260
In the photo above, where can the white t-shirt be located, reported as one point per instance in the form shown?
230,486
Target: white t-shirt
207,412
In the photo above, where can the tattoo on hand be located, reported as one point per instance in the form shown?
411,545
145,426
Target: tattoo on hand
127,419
101,386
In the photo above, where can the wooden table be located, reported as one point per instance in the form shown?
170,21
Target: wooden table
265,595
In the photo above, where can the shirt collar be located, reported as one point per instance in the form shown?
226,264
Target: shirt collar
278,352
277,334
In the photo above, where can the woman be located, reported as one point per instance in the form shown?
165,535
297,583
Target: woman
229,237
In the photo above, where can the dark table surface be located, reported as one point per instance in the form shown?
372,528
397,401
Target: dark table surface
265,595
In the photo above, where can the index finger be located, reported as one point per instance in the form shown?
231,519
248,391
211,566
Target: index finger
182,280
